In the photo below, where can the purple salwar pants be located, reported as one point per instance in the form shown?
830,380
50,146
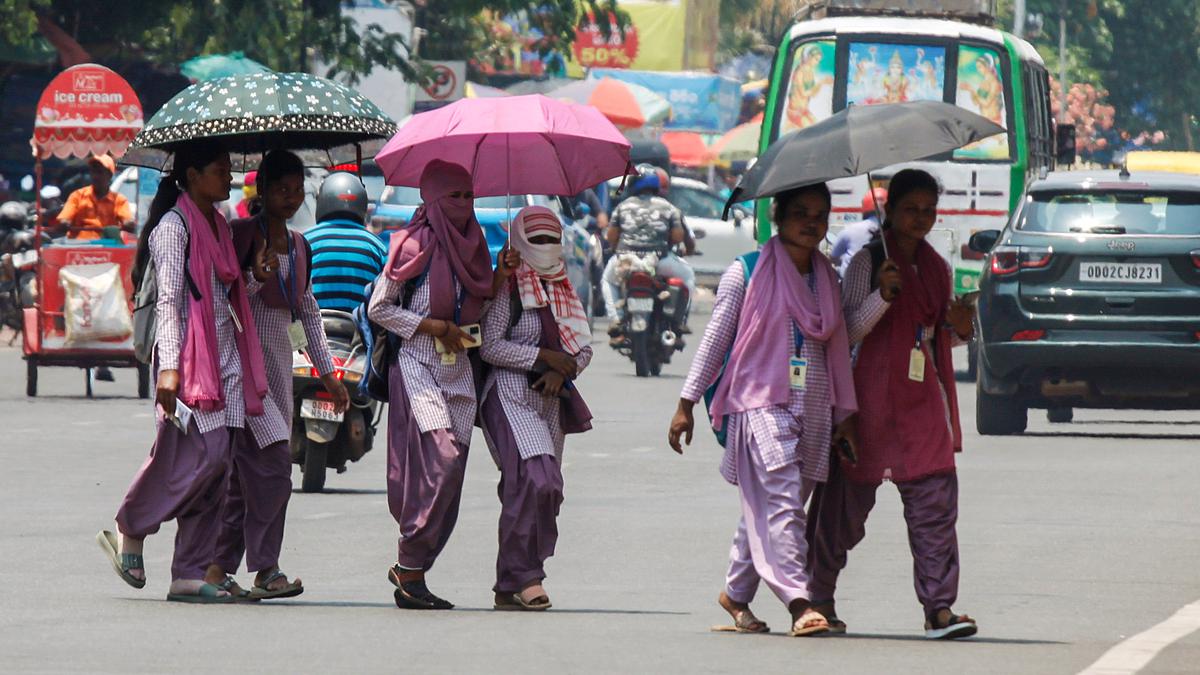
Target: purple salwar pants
931,512
183,479
424,480
769,544
531,492
260,485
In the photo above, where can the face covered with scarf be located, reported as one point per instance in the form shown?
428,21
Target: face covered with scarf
448,188
542,277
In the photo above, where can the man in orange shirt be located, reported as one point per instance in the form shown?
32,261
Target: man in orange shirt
90,209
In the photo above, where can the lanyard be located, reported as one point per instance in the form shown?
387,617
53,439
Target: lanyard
797,338
462,295
291,248
920,332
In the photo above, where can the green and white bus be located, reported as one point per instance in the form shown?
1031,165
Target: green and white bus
826,64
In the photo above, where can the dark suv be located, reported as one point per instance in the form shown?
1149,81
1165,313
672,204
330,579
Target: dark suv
1090,298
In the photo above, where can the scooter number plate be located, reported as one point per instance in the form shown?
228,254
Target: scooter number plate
320,410
640,304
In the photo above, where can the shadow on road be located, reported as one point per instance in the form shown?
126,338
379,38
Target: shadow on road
922,638
1121,436
461,609
344,491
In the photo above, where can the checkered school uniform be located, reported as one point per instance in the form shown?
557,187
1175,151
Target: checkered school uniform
533,417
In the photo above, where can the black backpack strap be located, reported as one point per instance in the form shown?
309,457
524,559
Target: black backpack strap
515,308
308,256
875,247
187,255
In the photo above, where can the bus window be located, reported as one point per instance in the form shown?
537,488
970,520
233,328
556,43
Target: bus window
810,87
895,73
981,90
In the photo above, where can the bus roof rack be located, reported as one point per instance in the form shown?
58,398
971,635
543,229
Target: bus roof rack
982,12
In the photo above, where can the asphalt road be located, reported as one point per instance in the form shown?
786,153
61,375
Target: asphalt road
1073,538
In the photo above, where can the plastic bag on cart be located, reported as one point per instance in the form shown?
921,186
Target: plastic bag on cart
95,307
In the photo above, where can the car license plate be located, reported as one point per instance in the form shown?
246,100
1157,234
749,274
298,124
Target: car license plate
320,410
1126,273
640,304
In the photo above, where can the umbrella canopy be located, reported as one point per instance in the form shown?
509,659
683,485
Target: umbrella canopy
861,139
687,148
320,119
538,86
213,66
626,104
476,90
739,144
511,145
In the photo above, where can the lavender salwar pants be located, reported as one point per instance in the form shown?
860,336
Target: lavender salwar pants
183,479
252,520
769,544
531,492
424,481
931,512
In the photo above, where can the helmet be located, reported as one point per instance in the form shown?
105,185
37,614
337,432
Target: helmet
664,181
342,195
13,215
880,197
648,179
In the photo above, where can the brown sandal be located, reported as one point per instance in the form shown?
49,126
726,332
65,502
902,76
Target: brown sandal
811,623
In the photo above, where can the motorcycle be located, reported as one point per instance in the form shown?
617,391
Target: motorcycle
18,263
653,310
323,438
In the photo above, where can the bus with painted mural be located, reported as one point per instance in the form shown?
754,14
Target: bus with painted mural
856,57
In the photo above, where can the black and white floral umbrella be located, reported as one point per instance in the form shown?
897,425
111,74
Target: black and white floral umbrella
326,123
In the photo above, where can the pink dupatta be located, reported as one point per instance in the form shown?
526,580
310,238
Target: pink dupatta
757,374
199,364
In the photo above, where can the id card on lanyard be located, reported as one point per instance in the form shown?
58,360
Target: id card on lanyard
797,364
449,358
295,329
916,360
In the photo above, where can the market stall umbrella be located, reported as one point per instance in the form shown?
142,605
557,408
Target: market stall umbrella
624,103
324,122
739,144
861,139
687,148
213,66
511,145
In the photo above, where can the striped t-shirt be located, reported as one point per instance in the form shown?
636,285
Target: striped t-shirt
346,257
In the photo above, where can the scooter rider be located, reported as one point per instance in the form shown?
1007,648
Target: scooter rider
645,223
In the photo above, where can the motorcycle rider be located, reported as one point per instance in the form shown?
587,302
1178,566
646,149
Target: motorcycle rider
346,256
646,223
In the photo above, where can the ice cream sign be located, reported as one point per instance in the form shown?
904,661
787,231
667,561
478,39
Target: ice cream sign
86,109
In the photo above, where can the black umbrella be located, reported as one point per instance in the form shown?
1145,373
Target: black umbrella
325,122
858,140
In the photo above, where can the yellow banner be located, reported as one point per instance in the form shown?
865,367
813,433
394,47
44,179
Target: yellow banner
655,39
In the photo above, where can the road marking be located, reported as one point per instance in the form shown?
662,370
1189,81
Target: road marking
599,455
644,448
1131,655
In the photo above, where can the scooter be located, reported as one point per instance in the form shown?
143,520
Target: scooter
18,263
323,438
653,309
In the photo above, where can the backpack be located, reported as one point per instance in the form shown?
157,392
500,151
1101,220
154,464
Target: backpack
749,260
145,300
381,345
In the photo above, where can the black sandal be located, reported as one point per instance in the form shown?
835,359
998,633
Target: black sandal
959,626
414,594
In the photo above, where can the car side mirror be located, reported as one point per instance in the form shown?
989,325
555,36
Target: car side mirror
1064,144
983,241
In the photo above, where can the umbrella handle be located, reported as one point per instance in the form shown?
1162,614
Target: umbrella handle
879,216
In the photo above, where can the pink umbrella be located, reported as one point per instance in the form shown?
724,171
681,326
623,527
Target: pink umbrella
512,145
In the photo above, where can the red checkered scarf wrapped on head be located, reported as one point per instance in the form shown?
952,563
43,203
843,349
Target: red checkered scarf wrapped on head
542,277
